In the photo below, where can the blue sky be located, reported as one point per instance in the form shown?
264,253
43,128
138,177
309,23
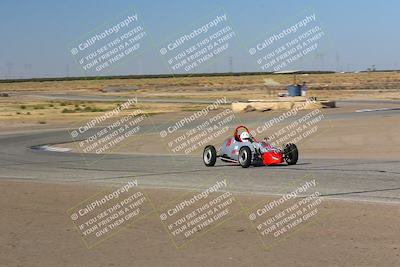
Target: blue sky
36,36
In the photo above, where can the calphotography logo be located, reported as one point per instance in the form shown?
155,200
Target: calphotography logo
284,48
103,215
199,212
107,132
105,48
286,214
194,48
296,125
192,133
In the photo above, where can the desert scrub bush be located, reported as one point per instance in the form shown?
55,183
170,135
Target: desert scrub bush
97,109
65,110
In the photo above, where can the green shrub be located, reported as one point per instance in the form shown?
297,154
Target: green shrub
65,110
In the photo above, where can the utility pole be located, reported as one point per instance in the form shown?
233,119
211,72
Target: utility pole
337,62
9,67
67,70
320,57
230,64
27,69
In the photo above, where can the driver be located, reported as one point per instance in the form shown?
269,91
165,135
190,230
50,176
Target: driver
245,137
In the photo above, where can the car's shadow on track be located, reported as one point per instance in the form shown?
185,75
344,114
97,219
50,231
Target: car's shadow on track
261,166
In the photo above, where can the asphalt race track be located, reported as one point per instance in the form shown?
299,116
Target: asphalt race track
369,180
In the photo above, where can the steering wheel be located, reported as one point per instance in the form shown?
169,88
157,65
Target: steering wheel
236,134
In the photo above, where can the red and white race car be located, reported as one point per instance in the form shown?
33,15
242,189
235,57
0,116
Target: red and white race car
244,149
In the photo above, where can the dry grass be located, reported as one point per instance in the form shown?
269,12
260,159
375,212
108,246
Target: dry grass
371,80
32,111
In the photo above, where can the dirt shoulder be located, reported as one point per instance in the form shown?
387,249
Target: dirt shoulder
36,231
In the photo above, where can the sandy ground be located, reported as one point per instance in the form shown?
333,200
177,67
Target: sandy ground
36,231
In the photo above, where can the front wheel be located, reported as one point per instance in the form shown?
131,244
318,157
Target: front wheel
291,154
245,157
209,156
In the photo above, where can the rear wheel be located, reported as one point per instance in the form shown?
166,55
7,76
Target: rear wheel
245,157
291,154
209,156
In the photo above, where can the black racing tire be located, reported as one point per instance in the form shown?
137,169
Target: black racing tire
291,154
209,156
245,156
